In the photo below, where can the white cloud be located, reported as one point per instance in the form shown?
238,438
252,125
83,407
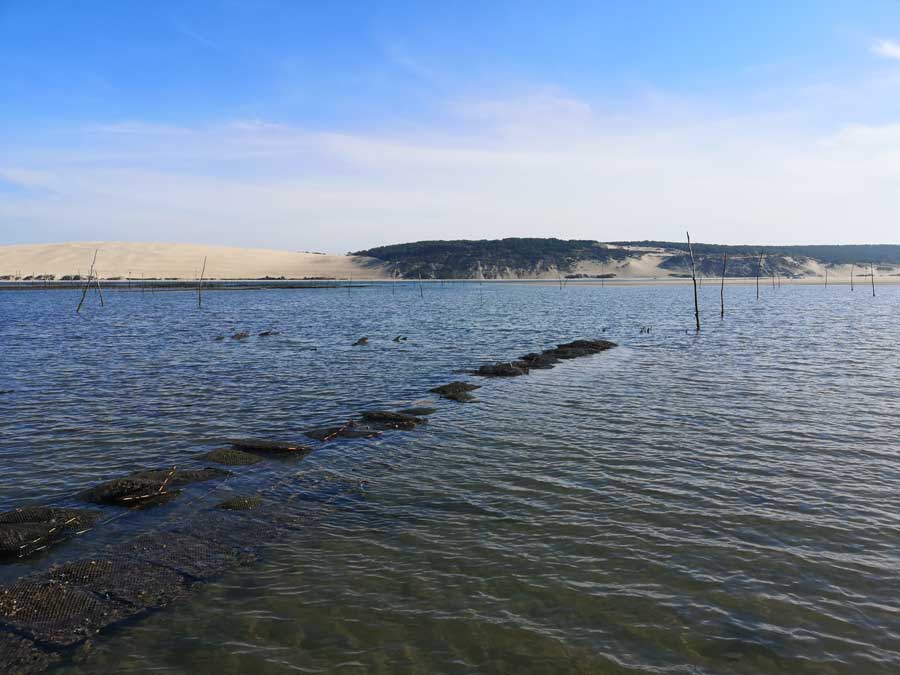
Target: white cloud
889,49
544,164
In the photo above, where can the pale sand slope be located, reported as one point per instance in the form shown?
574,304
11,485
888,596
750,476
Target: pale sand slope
183,261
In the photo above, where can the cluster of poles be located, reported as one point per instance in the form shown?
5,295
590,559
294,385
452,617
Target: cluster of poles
758,270
93,278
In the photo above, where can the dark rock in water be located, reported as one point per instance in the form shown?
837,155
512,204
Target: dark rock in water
579,348
230,457
361,341
456,391
148,487
269,447
267,333
349,430
19,656
392,420
240,503
27,530
240,335
540,361
501,370
133,582
55,613
418,412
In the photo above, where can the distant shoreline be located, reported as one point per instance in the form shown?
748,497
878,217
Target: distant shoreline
190,285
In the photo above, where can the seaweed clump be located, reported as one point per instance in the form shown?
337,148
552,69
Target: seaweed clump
456,391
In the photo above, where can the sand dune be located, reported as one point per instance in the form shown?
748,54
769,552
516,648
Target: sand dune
182,261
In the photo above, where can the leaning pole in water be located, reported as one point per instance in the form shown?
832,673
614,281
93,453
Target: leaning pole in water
694,279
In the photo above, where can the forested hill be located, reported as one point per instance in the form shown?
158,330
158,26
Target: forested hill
491,258
827,254
535,258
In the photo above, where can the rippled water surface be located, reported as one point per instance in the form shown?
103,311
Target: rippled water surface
727,502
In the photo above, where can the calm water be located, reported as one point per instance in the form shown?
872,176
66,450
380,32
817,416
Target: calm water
722,503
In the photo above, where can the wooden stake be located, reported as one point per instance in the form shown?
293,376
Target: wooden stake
722,291
851,275
99,290
200,285
87,283
872,270
826,277
758,271
694,278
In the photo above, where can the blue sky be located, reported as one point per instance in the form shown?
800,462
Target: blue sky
336,126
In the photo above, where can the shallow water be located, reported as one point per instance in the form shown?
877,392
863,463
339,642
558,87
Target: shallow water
721,503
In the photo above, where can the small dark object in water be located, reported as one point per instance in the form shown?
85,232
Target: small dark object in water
219,338
348,430
230,457
19,656
147,487
456,391
392,420
240,503
27,530
55,613
267,333
6,391
269,447
133,582
418,412
400,338
361,341
240,335
501,369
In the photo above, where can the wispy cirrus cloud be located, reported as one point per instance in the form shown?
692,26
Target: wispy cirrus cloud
889,49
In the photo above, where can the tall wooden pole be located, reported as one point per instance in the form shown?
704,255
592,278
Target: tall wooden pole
722,291
694,278
87,283
872,270
200,285
851,275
